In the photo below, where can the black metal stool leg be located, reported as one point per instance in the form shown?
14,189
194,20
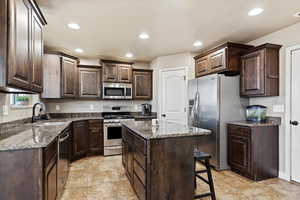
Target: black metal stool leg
210,180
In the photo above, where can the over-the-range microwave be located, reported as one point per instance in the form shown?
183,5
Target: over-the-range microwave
117,91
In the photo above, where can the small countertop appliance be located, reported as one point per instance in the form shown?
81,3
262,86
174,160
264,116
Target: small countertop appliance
146,109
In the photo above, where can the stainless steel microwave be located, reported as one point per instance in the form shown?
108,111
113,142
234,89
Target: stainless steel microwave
117,91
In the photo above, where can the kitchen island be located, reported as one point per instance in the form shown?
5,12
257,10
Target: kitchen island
158,159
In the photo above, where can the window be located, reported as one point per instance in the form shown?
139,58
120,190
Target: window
20,100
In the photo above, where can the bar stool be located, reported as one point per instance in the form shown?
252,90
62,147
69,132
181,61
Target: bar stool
204,159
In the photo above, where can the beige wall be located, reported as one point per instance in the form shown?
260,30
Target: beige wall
287,37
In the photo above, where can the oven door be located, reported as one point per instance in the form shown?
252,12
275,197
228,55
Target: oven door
112,134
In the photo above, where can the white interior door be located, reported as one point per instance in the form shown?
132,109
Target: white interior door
174,95
295,116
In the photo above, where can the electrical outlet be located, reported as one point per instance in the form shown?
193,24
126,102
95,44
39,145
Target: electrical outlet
57,107
5,110
91,107
278,108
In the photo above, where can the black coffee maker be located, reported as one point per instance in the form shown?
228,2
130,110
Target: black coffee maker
146,109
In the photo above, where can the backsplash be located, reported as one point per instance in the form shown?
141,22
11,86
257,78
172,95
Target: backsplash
84,106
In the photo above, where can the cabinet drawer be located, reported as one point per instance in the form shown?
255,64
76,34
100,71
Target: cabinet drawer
50,152
140,144
140,158
139,188
239,130
139,171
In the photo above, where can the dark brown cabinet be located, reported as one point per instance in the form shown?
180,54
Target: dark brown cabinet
69,77
80,139
21,40
110,72
222,59
260,71
60,79
87,138
125,73
89,82
142,84
253,151
115,71
96,137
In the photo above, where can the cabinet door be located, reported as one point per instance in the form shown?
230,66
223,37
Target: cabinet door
110,73
239,153
125,73
37,54
96,136
142,85
130,161
89,83
51,181
80,139
252,74
202,66
124,154
19,43
217,60
69,77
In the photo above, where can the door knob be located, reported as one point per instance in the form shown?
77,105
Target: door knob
163,115
294,123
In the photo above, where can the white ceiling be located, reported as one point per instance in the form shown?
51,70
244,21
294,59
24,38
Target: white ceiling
110,28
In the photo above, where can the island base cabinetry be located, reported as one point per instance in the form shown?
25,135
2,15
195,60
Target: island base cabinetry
158,169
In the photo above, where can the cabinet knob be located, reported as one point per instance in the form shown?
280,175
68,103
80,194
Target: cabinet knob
294,123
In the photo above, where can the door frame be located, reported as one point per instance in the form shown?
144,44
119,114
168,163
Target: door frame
287,175
185,68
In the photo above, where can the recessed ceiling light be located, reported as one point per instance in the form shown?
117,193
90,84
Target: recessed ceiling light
129,55
74,26
144,36
78,50
297,14
255,11
198,44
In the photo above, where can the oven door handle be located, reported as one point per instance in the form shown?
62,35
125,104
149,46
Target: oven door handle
112,125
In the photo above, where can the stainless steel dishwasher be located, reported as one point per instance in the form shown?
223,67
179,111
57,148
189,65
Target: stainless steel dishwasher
64,157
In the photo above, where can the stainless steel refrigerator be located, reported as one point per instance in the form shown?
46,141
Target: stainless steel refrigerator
214,100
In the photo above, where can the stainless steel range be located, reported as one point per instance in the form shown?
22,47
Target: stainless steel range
113,131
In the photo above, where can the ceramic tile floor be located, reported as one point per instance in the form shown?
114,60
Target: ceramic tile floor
103,178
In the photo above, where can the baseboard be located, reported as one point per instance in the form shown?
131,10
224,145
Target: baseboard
284,176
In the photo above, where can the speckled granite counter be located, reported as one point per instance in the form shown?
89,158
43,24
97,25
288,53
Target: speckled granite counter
164,130
38,135
271,121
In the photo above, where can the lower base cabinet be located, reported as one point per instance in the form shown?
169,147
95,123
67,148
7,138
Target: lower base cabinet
87,138
253,151
51,181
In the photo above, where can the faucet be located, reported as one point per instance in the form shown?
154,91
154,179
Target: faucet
34,117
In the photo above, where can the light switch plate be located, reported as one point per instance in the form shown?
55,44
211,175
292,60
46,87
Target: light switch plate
57,107
92,107
278,108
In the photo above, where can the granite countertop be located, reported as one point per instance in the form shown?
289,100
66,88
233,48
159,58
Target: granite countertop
164,130
37,135
271,121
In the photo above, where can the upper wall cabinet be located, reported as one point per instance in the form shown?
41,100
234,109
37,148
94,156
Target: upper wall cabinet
260,71
21,46
224,58
142,84
60,76
89,82
114,71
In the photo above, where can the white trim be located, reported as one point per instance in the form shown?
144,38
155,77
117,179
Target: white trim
288,79
284,176
185,68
